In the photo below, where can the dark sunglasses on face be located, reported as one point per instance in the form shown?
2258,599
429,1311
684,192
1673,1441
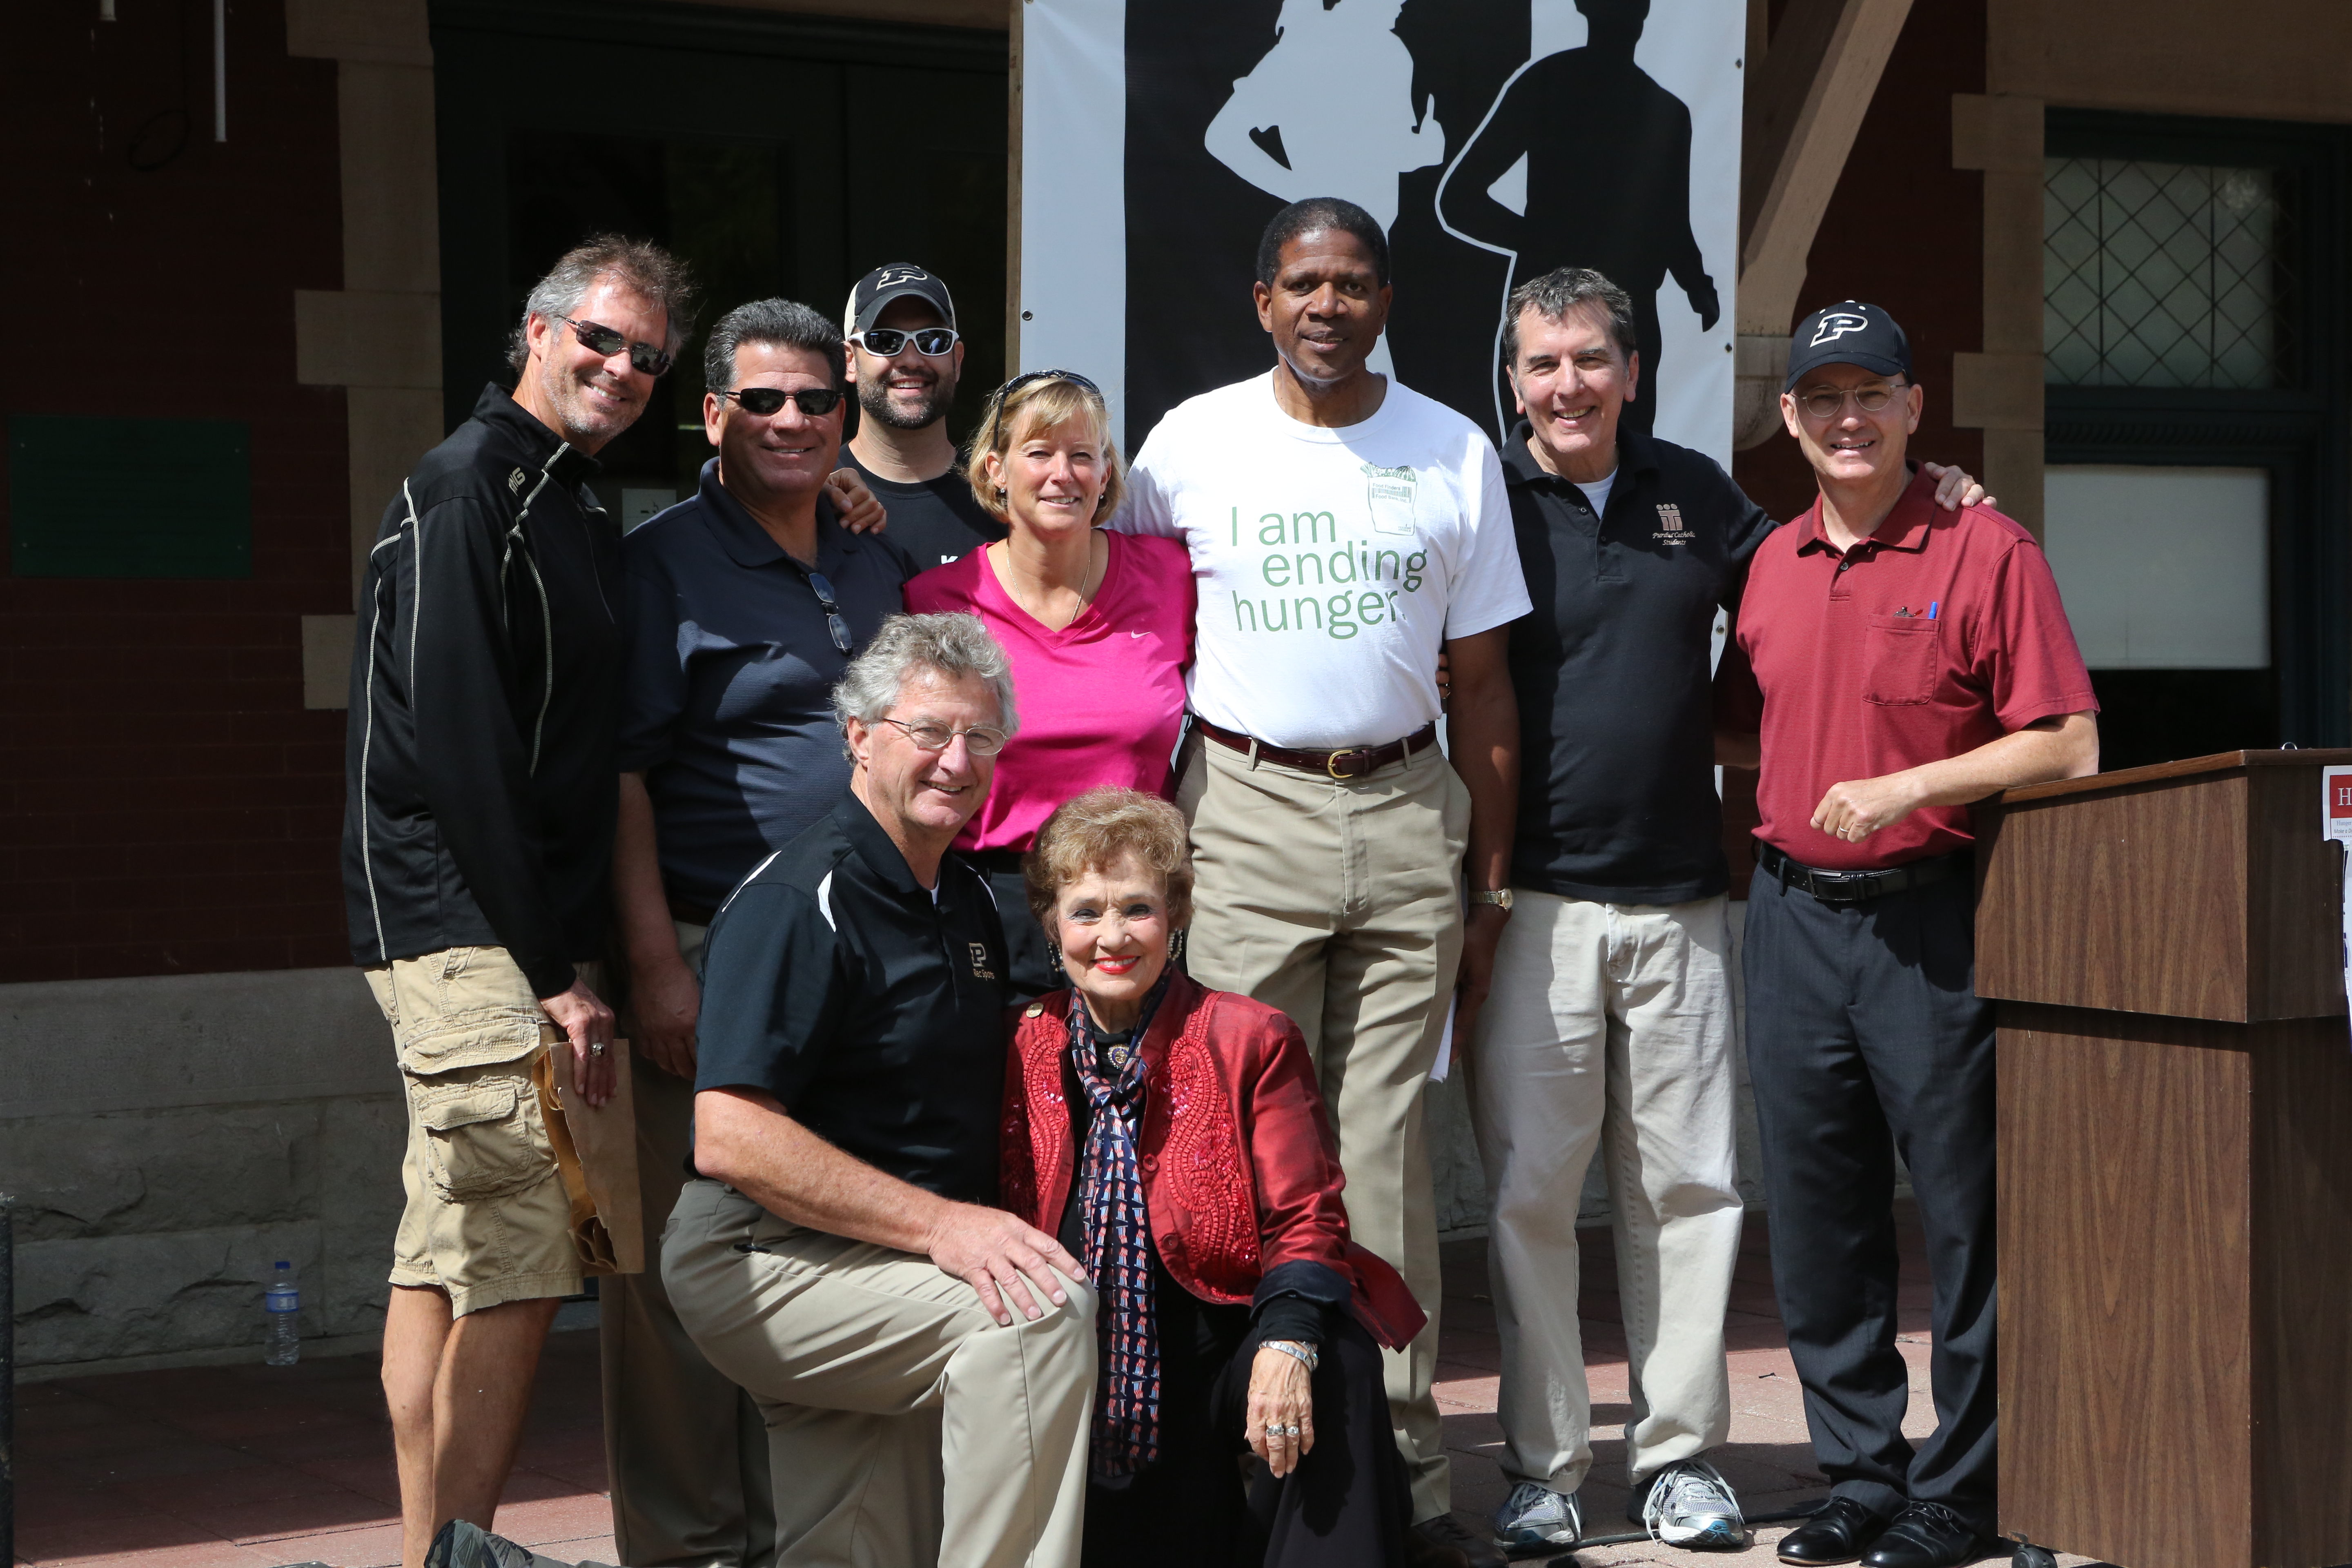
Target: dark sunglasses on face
884,342
1024,379
816,402
605,341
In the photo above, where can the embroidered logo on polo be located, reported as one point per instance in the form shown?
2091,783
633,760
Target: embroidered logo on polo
980,970
514,481
1670,525
1837,325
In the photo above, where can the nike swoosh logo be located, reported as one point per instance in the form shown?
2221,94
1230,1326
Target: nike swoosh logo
1135,634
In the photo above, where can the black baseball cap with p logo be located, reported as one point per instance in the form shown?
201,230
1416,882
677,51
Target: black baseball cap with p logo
1848,333
896,281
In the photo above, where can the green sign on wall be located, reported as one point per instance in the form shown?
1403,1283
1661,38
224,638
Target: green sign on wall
128,497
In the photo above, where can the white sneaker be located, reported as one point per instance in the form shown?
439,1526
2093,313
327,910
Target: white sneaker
1690,1504
1534,1515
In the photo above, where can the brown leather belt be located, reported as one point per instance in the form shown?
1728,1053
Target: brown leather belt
1353,762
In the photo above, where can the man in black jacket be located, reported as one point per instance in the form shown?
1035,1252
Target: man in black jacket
478,850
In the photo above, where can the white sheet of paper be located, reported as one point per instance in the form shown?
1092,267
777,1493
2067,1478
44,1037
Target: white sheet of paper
2335,823
1444,1044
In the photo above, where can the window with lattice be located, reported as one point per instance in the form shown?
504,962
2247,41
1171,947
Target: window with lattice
2166,275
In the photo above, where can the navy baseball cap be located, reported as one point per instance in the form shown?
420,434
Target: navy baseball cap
1848,333
896,281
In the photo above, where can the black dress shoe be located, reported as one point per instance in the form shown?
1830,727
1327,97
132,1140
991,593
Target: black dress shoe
1927,1535
1839,1533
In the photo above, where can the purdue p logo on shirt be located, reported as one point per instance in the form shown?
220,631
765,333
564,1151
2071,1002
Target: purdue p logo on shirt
980,970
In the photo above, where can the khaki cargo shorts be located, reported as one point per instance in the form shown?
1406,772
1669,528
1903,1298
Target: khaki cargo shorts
487,1220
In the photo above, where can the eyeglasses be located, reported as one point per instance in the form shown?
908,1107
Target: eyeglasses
885,342
979,740
832,608
605,341
816,402
1823,403
1025,377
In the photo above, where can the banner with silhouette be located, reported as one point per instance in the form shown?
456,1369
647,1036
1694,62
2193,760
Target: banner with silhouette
1497,139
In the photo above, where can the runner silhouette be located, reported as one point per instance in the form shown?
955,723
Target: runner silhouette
1329,110
1608,180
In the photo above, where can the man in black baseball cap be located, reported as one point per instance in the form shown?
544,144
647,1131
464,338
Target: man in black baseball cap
906,356
1898,664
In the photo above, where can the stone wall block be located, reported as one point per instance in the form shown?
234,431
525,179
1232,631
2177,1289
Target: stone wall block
97,1298
360,1199
144,1171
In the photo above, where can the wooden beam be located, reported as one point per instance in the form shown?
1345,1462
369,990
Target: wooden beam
1804,110
1806,99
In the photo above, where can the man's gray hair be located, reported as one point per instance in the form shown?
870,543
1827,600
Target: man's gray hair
1554,295
785,321
953,645
639,265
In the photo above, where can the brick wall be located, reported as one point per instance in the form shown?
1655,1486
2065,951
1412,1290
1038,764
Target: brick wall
166,804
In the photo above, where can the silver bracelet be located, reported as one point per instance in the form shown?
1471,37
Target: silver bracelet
1305,1355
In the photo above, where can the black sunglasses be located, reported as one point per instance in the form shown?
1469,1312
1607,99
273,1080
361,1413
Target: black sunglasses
1025,377
605,341
832,608
885,342
816,402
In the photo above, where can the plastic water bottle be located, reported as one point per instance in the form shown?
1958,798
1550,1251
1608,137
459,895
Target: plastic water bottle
284,1305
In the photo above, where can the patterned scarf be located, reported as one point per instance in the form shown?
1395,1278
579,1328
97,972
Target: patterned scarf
1118,1251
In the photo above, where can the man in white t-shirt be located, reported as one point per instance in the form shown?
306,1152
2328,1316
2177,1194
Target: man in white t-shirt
1345,530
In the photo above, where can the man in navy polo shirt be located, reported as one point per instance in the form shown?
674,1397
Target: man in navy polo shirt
1902,664
744,605
1610,1021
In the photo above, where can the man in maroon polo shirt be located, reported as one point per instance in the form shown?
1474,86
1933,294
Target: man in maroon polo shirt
1899,662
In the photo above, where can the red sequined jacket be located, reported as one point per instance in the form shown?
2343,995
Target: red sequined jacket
1241,1173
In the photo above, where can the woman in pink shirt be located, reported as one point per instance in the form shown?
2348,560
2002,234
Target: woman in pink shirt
1098,625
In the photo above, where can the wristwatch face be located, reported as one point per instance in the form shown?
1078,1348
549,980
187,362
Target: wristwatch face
1501,897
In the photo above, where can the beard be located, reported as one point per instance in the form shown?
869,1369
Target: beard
873,399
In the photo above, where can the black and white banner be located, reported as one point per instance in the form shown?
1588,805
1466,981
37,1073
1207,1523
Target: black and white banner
1498,140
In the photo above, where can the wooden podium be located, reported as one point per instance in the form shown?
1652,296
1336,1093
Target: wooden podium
2175,1163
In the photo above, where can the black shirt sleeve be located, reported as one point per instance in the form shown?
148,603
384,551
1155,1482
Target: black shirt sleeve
652,681
473,726
772,995
1745,529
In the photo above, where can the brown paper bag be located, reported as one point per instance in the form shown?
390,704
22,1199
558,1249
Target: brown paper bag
596,1151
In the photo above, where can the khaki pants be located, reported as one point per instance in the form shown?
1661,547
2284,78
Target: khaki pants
905,1425
487,1220
1338,901
687,1451
1609,1025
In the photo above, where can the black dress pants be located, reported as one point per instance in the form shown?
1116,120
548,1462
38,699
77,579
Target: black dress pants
1865,1035
1345,1506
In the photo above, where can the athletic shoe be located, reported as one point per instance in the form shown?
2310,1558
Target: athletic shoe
1534,1516
1690,1504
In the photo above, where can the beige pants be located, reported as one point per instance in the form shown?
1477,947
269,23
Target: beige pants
487,1220
1609,1025
687,1451
1338,901
905,1425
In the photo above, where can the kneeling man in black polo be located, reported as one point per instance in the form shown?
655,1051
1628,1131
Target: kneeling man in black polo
836,1254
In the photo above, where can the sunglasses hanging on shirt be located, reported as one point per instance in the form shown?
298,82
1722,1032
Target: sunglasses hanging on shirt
816,402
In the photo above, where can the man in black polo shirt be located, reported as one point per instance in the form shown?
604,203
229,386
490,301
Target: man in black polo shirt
743,605
836,1254
908,358
1610,1020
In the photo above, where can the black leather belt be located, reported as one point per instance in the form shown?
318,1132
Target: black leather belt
1855,887
1353,762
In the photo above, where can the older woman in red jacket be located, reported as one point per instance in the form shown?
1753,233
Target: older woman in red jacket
1173,1137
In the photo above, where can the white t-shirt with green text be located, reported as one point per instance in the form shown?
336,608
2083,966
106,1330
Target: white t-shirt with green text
1333,564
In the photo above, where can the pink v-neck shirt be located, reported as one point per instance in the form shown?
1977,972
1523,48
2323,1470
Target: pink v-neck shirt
1101,700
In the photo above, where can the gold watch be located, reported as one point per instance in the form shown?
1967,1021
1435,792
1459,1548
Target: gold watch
1499,897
